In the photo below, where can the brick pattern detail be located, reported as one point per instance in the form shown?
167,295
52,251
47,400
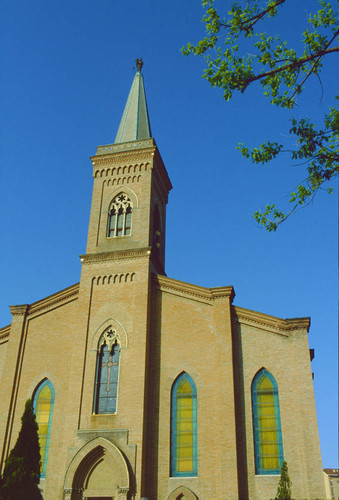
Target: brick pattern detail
114,279
122,180
127,169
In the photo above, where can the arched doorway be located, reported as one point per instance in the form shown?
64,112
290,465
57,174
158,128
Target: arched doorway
182,493
98,471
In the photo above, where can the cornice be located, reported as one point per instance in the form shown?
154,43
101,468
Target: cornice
63,296
119,255
206,295
123,158
109,149
271,323
19,309
4,333
222,292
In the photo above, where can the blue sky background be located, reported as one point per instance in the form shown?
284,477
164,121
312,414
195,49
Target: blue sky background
66,71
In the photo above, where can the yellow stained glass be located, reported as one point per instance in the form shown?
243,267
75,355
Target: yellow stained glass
184,427
42,413
268,439
184,387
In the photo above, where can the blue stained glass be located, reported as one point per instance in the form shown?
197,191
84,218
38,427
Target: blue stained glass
107,380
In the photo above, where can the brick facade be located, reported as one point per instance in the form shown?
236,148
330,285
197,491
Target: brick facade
165,327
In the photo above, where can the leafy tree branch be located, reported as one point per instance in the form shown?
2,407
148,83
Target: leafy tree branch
238,54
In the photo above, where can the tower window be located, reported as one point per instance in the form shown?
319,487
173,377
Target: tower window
266,424
119,221
156,231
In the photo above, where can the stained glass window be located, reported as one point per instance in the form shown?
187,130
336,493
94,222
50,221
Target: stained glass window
184,427
43,403
266,424
119,221
107,373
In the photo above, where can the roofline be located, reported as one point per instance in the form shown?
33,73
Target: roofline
207,295
283,326
65,295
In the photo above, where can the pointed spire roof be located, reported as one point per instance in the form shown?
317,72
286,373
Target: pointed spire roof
135,123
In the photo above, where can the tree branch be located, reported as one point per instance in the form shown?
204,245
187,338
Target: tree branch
255,18
296,64
312,68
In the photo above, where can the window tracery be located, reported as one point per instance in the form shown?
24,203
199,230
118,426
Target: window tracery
119,221
107,373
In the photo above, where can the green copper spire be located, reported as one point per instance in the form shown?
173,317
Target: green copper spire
135,124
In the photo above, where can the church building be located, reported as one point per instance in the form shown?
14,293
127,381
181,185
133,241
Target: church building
171,392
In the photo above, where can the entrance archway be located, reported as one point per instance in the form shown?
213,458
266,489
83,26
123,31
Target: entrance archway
182,493
98,471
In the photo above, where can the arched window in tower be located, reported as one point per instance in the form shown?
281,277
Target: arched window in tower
156,231
268,446
119,221
43,403
107,373
184,427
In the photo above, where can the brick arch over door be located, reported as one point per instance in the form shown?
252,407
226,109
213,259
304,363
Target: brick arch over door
182,493
80,476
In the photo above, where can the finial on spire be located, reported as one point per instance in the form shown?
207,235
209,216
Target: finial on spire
139,64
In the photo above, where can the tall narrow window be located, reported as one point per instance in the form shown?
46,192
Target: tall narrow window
119,221
184,427
107,373
268,446
43,403
156,231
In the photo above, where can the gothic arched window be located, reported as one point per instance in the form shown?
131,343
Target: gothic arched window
184,427
268,447
107,373
119,221
43,403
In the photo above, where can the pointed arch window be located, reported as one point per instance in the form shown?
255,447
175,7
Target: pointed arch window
43,404
119,221
268,445
184,427
107,373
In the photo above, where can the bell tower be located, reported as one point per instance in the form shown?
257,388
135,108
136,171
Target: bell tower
131,186
125,246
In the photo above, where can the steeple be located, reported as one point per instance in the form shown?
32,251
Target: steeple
135,123
130,192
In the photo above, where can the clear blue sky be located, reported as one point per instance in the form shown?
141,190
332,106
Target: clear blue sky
67,67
